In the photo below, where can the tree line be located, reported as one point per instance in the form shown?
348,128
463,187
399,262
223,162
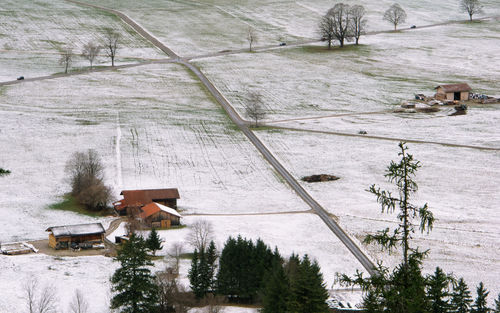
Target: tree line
344,22
91,50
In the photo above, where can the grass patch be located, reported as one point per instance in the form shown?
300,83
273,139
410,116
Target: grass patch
362,49
69,203
86,122
187,256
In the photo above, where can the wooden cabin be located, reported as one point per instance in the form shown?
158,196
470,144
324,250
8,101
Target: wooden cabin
159,216
460,92
61,237
138,198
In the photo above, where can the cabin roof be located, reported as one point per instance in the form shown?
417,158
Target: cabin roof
147,195
77,230
455,87
154,207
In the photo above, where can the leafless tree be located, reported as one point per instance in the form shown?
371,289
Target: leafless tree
201,234
340,15
358,22
326,31
173,297
395,15
254,108
66,59
251,36
79,304
214,304
90,52
30,289
111,39
175,252
86,174
471,7
47,300
39,301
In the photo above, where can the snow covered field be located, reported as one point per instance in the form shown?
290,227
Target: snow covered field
155,126
196,27
33,32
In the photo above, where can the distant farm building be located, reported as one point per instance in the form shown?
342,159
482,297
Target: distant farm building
159,216
61,237
136,199
459,92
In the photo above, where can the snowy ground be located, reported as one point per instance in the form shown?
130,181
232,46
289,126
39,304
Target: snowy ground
155,126
33,33
196,27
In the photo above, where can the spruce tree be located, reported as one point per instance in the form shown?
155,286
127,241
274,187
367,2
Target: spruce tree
460,297
308,291
134,286
276,291
438,292
154,241
194,275
204,278
497,304
212,265
480,304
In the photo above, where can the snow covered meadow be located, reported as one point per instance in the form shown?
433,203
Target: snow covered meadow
156,126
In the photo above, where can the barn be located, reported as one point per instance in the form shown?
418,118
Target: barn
61,237
459,92
159,216
139,198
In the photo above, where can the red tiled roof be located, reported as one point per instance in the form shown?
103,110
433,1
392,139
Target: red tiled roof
144,196
153,208
455,87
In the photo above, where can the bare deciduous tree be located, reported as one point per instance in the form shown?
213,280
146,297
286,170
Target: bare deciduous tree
200,235
39,301
66,59
214,304
251,36
326,32
254,108
111,39
395,15
86,174
340,15
90,52
358,22
175,252
471,7
78,304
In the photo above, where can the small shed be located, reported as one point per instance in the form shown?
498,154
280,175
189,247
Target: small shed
453,92
61,237
159,216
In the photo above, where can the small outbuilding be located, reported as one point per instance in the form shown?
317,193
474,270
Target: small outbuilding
159,216
459,92
61,237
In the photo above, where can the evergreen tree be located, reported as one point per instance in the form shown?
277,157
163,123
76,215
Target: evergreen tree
497,304
438,292
134,286
194,275
460,297
402,290
308,291
212,265
480,304
276,292
205,280
154,242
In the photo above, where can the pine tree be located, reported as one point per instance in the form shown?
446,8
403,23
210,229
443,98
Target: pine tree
194,275
154,242
308,291
480,304
276,292
205,280
212,265
460,298
438,292
497,304
134,286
